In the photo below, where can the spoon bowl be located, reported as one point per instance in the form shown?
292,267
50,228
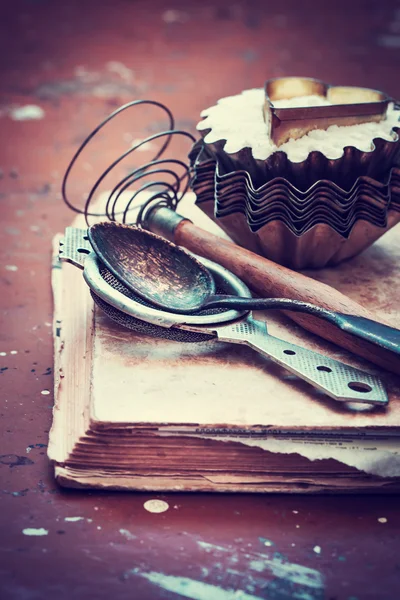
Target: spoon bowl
152,267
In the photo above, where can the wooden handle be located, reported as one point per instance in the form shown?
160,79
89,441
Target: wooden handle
268,279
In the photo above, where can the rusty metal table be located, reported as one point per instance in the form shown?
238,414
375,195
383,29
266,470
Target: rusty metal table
73,63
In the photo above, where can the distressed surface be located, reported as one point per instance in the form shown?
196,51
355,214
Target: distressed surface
77,61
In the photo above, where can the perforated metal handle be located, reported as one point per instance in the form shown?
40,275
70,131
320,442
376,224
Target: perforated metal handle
75,246
338,380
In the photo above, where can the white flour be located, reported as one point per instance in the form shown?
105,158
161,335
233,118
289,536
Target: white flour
239,120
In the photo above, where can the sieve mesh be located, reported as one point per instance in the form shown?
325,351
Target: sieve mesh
171,333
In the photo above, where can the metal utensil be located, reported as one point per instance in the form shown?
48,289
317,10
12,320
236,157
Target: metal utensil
350,106
338,380
172,279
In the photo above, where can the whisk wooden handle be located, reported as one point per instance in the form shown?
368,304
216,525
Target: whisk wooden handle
264,276
267,278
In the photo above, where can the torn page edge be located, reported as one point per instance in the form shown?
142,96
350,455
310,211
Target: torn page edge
369,458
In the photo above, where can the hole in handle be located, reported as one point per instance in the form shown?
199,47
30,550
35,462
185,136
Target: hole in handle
325,369
357,386
83,251
291,352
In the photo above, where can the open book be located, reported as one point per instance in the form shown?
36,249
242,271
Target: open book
143,413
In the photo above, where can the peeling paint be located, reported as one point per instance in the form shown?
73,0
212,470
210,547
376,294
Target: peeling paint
35,531
257,565
156,506
266,542
297,574
33,446
209,547
303,583
127,534
29,112
194,589
13,460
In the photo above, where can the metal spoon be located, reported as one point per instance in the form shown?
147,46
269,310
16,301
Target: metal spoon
171,278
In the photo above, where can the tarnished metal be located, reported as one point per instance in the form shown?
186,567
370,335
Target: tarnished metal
350,106
344,171
314,242
314,368
163,221
107,287
75,246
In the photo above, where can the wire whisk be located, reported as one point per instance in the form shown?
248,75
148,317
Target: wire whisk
156,171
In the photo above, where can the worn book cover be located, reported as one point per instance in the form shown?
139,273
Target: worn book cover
137,412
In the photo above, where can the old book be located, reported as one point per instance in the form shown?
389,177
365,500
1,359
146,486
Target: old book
142,413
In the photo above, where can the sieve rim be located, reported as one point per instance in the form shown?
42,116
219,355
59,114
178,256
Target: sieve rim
130,307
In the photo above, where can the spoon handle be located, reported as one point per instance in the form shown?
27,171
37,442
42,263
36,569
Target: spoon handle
266,278
366,329
336,379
